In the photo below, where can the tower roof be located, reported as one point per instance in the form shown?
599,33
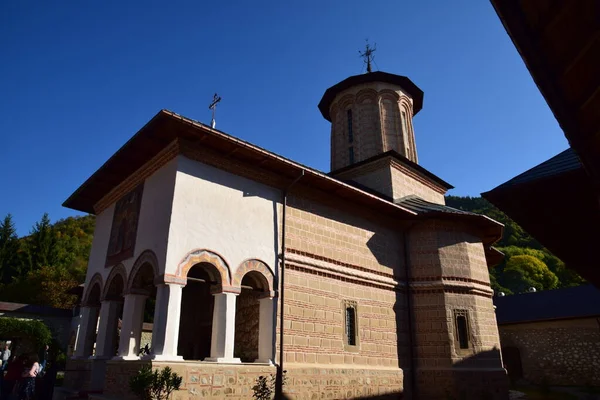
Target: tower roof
378,76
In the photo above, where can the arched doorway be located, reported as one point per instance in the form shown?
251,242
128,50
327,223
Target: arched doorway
111,313
254,286
512,362
139,308
86,341
197,305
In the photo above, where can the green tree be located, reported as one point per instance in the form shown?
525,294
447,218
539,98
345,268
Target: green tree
524,271
9,246
41,245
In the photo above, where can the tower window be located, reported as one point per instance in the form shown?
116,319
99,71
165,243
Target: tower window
351,154
462,328
350,133
404,124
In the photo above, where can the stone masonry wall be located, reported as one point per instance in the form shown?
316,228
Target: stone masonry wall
246,326
213,381
447,277
565,352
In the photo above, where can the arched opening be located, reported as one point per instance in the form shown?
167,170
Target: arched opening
512,362
139,309
143,283
254,285
110,314
86,345
197,305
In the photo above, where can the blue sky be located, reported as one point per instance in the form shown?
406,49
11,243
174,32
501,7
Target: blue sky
77,79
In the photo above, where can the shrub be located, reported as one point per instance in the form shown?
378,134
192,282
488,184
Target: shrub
35,331
150,384
264,389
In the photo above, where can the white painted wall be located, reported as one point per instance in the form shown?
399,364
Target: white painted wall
100,245
222,212
153,224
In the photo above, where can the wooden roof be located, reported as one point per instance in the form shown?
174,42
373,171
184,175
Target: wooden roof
559,40
555,202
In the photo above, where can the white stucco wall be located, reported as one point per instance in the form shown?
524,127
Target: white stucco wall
224,213
100,245
153,223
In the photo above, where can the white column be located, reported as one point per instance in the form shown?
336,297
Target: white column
87,332
107,329
265,330
165,333
131,327
223,329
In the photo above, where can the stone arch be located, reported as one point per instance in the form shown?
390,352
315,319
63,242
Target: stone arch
199,256
93,293
345,101
117,272
366,94
389,94
148,257
264,274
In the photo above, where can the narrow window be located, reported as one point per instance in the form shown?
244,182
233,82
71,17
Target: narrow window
462,330
350,326
404,124
351,154
350,134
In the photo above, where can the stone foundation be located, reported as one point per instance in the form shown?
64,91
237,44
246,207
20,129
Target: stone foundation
78,374
216,381
342,382
463,384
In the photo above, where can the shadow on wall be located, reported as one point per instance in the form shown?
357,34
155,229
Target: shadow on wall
479,377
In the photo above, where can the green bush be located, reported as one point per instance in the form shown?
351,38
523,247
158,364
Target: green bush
35,331
150,384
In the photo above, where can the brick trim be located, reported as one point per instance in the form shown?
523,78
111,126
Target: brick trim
295,267
205,256
340,263
254,265
449,278
445,290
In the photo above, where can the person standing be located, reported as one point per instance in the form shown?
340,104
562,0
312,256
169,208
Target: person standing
13,374
44,357
4,357
27,388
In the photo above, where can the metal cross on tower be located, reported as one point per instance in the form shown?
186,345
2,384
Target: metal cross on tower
368,56
213,107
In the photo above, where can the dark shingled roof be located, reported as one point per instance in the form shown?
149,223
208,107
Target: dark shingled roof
573,302
564,162
421,206
378,76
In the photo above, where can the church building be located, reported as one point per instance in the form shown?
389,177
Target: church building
359,283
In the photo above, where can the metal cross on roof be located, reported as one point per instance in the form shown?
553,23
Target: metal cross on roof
368,56
213,107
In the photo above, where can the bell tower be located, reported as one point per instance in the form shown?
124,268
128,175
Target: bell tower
371,114
372,136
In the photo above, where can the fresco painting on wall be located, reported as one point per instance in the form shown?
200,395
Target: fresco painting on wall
124,227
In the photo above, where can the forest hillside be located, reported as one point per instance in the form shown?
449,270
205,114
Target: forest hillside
40,267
